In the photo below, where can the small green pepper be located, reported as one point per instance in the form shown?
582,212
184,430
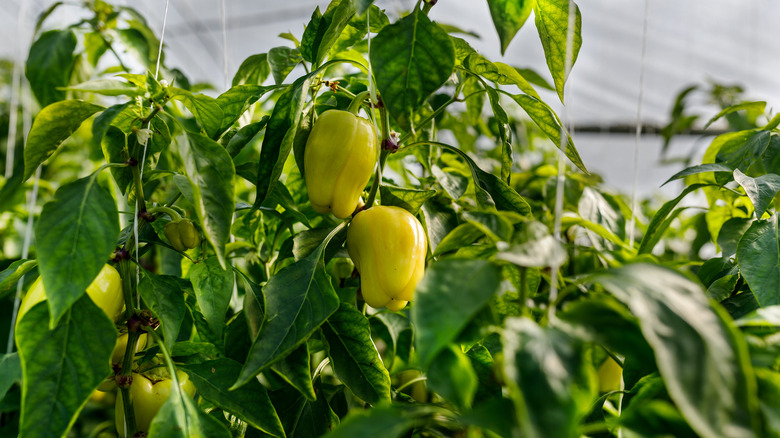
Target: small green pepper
182,234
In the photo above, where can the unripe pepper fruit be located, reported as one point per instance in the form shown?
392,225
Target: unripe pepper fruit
148,395
388,246
340,156
105,291
182,234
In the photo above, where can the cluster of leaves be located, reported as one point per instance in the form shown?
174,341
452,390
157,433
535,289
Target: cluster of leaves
511,327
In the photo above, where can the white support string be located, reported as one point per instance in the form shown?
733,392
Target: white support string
16,81
561,181
634,199
223,19
141,164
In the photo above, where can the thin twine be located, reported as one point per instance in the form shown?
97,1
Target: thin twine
371,85
561,181
223,17
143,160
15,86
634,189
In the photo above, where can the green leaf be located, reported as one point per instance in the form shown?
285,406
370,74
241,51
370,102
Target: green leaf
10,372
163,294
53,125
537,248
363,5
75,236
302,418
701,168
279,137
353,355
61,366
103,121
295,369
494,225
749,106
50,64
205,109
12,274
244,136
662,219
548,122
700,354
758,256
254,70
213,287
179,417
598,208
438,219
282,61
508,17
379,422
761,190
552,23
454,183
452,376
250,403
137,45
411,59
107,87
547,377
299,298
437,322
211,173
235,102
408,199
324,29
461,236
769,400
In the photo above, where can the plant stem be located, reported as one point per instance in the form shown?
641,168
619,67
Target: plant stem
132,341
438,111
523,289
354,107
166,210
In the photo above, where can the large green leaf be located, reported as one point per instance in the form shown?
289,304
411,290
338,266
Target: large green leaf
700,354
452,376
250,403
205,109
179,417
411,59
408,199
295,369
301,417
11,275
53,125
662,219
50,64
213,287
61,366
324,29
353,355
299,298
761,190
163,294
211,173
552,23
235,102
282,61
758,256
10,372
254,70
75,236
508,17
279,137
547,377
437,322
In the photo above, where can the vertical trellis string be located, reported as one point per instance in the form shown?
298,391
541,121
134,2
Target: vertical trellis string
634,189
143,160
561,180
223,19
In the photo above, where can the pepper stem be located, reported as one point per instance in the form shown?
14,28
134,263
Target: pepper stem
169,211
354,107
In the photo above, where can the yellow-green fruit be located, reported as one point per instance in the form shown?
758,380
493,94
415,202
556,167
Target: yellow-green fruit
105,291
388,246
182,234
118,356
340,156
610,375
148,395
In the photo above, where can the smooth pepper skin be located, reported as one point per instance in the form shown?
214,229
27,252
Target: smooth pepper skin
105,291
148,395
340,156
388,246
182,234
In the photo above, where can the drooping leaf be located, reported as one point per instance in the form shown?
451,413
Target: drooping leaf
470,283
235,102
758,256
75,236
411,59
547,377
254,70
295,369
282,61
205,109
408,199
662,219
164,296
701,168
50,64
11,275
700,355
61,366
750,106
213,287
552,23
761,190
250,403
211,173
355,359
53,125
508,17
299,298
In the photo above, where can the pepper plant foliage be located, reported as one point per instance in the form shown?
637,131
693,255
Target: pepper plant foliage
511,332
